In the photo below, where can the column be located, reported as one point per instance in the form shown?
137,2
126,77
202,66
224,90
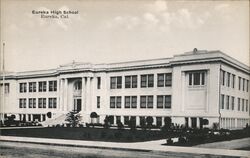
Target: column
65,95
58,94
198,122
83,94
189,122
88,94
137,120
61,94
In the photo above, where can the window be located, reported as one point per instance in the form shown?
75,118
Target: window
41,102
146,101
131,81
246,105
233,80
116,82
222,101
42,86
98,102
232,99
78,85
247,85
164,101
228,79
98,82
52,103
147,81
196,78
23,87
223,77
126,120
22,103
168,101
238,104
32,86
243,84
115,102
130,101
52,86
32,102
227,102
239,83
243,104
6,88
164,80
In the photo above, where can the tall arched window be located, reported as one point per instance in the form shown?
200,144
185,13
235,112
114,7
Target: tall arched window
78,85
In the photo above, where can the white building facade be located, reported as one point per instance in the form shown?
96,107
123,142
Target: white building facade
188,88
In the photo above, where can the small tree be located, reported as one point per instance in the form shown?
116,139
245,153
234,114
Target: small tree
167,122
132,123
149,121
73,118
106,122
120,125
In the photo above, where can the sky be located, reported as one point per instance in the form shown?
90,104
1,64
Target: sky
106,31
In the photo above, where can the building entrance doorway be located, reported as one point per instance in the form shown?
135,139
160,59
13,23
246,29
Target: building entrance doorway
77,105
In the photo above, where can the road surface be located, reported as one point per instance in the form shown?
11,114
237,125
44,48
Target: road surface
30,150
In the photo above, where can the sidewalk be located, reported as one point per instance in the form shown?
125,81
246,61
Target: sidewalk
232,144
138,146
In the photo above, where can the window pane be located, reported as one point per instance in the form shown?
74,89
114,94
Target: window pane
127,81
150,80
112,102
150,101
127,102
134,101
168,80
196,78
168,101
113,82
134,81
143,81
119,82
143,101
118,102
160,80
190,78
202,78
159,101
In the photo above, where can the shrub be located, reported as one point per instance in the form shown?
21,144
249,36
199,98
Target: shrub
149,121
120,125
73,118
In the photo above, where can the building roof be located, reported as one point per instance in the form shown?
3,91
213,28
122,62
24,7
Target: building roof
192,57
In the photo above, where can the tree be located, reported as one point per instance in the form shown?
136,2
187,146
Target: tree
73,118
149,121
167,122
132,123
106,122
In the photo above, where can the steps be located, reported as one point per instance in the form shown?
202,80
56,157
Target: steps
55,121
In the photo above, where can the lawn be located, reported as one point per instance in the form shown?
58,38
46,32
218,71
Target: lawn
188,137
94,134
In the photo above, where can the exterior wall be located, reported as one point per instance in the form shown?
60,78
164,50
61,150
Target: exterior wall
234,118
189,103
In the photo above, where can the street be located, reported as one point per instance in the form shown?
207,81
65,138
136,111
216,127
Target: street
29,150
